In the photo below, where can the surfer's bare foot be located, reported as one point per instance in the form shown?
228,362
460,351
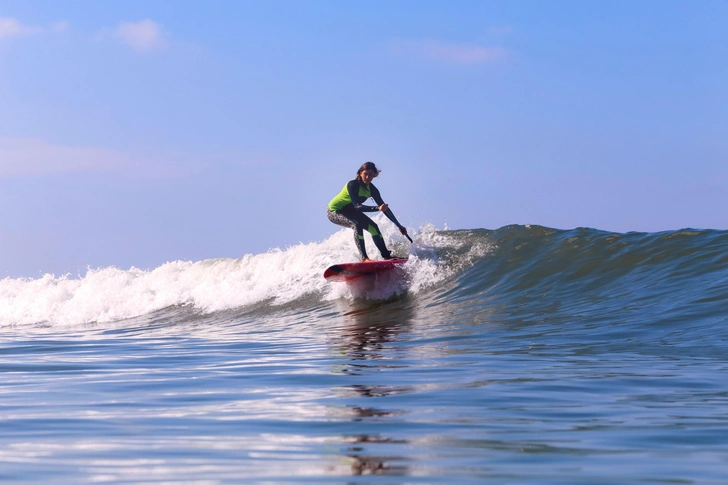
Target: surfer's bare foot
390,257
366,260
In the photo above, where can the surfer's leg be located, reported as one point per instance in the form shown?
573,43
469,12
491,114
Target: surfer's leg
373,229
379,242
342,220
359,242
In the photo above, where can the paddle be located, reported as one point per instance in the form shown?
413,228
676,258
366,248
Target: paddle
389,214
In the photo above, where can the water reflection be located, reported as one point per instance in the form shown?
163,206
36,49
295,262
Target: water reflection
374,465
365,337
359,413
367,327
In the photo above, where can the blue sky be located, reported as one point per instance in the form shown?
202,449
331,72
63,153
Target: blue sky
138,132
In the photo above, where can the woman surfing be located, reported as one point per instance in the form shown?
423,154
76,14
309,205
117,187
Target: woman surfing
347,209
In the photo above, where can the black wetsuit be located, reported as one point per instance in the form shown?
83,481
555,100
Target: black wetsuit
347,209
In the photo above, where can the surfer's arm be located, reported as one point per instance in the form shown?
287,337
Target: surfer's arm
402,229
353,188
381,205
385,208
391,217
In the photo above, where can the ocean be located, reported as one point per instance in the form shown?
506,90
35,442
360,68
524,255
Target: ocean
522,355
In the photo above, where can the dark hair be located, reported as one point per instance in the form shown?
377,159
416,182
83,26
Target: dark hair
367,166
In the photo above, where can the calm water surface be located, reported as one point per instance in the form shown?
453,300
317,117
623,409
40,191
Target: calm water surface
552,357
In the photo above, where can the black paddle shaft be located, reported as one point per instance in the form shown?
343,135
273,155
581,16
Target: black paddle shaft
389,214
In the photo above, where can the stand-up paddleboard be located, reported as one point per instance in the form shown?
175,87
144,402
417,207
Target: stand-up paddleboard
351,271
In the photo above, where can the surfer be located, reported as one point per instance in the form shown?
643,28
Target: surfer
347,209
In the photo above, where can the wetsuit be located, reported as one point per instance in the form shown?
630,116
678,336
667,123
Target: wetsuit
347,209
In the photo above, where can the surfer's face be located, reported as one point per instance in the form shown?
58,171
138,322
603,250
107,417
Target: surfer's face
367,176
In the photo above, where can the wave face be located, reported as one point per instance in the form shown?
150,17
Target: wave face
595,286
580,276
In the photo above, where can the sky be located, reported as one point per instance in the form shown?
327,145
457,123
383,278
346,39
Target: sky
139,132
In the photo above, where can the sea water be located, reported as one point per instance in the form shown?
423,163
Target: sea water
518,355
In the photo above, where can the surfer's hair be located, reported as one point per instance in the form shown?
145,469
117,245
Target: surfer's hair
367,166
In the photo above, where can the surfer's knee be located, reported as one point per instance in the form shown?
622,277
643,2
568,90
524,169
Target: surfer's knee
373,230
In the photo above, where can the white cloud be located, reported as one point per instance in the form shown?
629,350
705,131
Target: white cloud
143,36
450,52
22,157
10,27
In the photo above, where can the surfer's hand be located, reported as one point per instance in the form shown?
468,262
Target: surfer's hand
403,230
383,207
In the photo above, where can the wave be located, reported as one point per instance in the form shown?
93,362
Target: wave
274,278
663,293
538,270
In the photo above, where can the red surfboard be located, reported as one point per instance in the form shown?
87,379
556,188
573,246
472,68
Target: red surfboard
351,271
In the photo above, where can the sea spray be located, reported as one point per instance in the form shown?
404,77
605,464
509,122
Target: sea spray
276,277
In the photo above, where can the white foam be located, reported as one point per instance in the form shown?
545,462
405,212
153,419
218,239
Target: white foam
277,276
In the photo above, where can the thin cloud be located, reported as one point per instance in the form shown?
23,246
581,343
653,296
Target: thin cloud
29,157
60,27
450,52
143,36
11,27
